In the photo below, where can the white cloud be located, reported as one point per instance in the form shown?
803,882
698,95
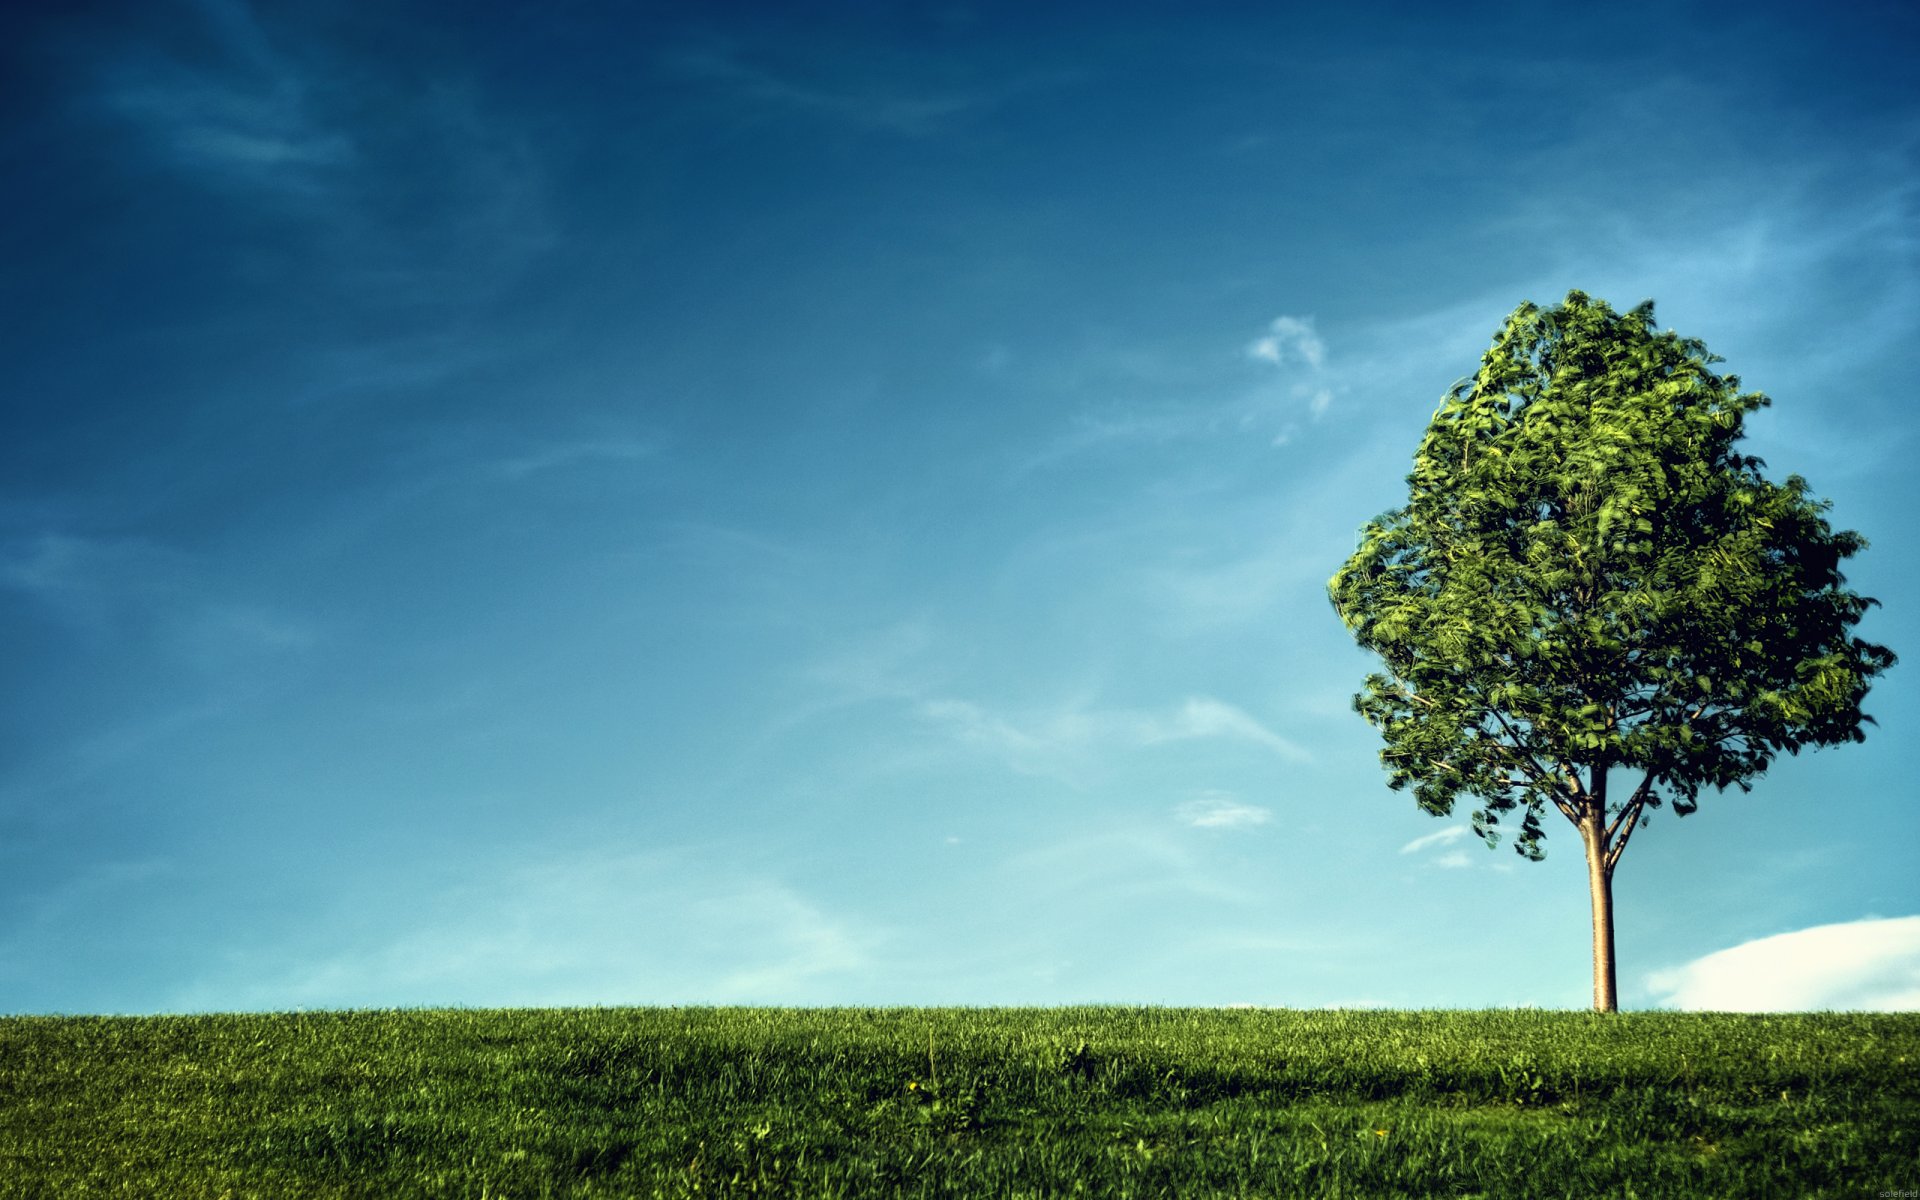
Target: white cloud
1204,717
1444,837
1455,858
971,723
587,928
221,631
1157,396
567,454
253,121
144,590
893,662
1079,876
1063,742
898,105
68,902
1871,964
1289,339
61,569
1228,584
1221,810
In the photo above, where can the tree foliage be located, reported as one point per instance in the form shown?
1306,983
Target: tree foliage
1589,575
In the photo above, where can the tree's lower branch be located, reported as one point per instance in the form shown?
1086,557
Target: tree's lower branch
1524,753
1627,821
1624,819
1575,798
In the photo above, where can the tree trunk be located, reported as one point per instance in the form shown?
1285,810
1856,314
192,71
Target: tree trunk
1593,832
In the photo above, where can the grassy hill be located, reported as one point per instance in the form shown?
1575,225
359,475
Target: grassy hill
959,1102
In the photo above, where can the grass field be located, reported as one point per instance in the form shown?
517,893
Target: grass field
959,1102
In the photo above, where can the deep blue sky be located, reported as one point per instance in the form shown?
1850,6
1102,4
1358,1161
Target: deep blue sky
562,503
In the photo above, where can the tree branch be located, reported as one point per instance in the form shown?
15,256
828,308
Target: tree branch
1567,810
1577,796
1627,821
1526,759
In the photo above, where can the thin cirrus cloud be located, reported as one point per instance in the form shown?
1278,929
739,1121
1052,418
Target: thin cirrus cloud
579,929
102,584
1174,380
1221,810
253,120
1068,740
1445,837
164,599
882,107
572,454
1870,965
1453,857
257,127
59,567
1206,717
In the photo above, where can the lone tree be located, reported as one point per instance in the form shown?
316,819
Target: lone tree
1589,578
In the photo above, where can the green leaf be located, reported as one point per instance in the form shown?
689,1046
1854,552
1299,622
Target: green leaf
1582,537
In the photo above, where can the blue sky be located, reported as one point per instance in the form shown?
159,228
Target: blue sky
577,504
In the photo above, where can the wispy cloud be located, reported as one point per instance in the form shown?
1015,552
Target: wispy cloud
916,667
87,575
148,595
256,121
895,661
83,761
107,883
1205,395
220,628
895,106
1206,717
1094,865
1290,339
610,927
1221,810
1444,837
1237,585
803,944
271,120
1067,741
1455,858
578,453
1871,964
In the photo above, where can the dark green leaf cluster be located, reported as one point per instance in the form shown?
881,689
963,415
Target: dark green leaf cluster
1588,574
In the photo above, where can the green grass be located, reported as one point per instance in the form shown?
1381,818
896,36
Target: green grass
958,1102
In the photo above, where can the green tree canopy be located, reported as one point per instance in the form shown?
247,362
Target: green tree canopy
1588,575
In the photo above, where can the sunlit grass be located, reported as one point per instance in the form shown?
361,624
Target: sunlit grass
958,1102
